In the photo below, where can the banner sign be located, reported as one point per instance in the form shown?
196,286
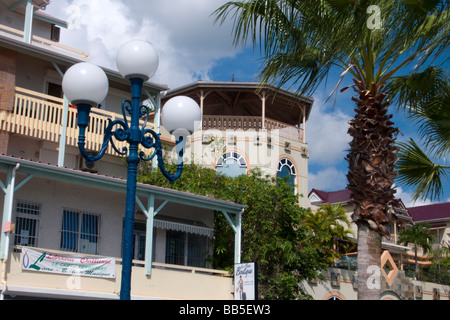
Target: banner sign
69,264
246,281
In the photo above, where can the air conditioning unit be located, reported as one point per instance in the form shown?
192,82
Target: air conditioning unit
55,33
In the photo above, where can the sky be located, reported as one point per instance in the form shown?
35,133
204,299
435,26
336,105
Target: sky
191,47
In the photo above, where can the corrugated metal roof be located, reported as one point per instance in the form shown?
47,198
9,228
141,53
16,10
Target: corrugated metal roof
437,211
95,180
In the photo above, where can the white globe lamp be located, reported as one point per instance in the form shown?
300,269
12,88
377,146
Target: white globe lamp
181,113
137,59
85,83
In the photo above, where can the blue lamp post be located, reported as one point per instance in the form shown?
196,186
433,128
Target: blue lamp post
86,85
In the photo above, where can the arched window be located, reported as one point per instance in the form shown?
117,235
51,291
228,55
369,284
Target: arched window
231,164
286,168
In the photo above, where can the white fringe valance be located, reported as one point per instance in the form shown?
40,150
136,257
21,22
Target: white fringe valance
168,225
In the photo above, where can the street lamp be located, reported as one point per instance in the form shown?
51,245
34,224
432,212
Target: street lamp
86,85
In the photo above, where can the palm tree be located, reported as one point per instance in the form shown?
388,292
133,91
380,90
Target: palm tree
426,98
419,237
373,41
327,225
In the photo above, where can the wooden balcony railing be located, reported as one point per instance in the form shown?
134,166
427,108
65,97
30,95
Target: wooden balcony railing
40,116
229,122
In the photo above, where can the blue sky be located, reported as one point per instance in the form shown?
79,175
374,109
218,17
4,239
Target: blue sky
326,130
192,47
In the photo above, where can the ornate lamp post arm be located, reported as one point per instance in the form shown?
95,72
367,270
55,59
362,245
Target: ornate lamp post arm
86,86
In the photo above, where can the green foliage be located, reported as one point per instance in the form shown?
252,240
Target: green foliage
425,96
327,225
439,271
418,236
272,233
303,40
371,40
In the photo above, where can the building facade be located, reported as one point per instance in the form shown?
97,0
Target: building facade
438,217
340,281
58,207
245,125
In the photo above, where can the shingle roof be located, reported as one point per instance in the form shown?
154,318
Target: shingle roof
96,180
430,212
339,196
344,196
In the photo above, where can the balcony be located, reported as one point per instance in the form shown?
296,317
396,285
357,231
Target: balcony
40,116
166,282
230,122
47,44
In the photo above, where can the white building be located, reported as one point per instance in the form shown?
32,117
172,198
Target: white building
246,126
54,204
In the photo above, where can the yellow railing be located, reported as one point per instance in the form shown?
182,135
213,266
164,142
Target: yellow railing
166,282
40,116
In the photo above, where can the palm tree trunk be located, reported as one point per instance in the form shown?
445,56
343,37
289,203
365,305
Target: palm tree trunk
369,260
370,177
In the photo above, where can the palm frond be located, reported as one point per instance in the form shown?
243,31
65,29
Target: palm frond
304,39
416,90
416,169
425,96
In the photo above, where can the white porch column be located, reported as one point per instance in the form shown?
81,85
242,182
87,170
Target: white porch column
150,213
236,226
237,239
149,235
28,27
7,208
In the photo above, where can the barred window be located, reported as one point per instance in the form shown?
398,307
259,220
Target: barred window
184,248
27,224
80,232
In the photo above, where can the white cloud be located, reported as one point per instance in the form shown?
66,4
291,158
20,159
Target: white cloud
183,32
327,133
407,199
330,179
